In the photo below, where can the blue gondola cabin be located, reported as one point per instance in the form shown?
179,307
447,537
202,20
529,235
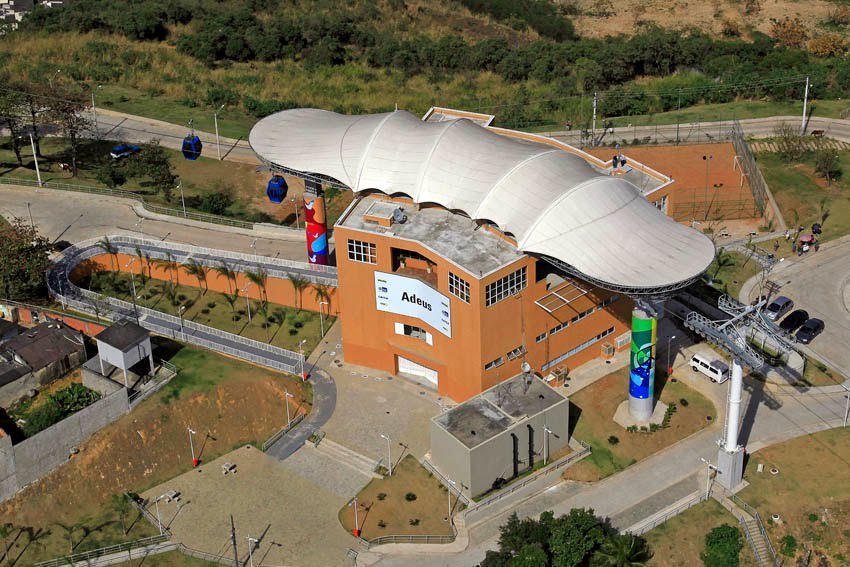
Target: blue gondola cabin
277,189
192,147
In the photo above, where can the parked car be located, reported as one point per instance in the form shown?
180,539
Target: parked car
809,330
779,307
717,370
124,150
794,320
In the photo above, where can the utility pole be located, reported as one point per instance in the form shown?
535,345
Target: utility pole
217,139
35,159
593,125
233,542
805,102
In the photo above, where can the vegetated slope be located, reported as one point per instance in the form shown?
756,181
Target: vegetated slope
519,60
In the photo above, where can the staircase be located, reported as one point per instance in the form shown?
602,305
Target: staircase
344,455
757,542
752,526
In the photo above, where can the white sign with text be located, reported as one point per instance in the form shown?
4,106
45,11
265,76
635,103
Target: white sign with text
414,298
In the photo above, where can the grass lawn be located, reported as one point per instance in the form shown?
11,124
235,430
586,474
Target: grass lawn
592,410
679,540
799,193
425,515
228,402
733,269
810,493
817,374
290,327
175,559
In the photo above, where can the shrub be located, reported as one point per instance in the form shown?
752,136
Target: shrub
298,324
211,304
293,332
181,296
683,402
788,31
813,517
216,203
789,546
723,544
382,496
826,45
613,439
413,521
205,311
410,497
382,524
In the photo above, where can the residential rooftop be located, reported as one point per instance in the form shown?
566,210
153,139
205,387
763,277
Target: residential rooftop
42,345
123,335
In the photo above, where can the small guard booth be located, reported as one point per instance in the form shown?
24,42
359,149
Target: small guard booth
123,345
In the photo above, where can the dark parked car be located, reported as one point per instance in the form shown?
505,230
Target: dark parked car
794,320
809,330
778,307
124,150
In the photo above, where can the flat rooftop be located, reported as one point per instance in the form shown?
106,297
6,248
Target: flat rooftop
496,410
450,235
123,335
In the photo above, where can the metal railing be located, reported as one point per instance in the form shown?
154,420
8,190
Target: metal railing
754,513
191,215
644,527
100,552
139,396
146,514
545,471
758,186
445,482
204,555
413,538
286,429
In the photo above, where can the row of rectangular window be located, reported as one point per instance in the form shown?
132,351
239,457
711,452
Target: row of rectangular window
494,363
505,287
577,349
517,352
360,251
459,287
560,327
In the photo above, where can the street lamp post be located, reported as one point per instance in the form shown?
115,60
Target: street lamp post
301,352
192,446
247,303
133,288
93,107
156,506
356,530
295,205
52,77
34,158
846,387
669,368
546,433
217,140
182,200
139,224
288,418
251,542
709,468
449,491
180,312
707,160
29,211
321,317
389,454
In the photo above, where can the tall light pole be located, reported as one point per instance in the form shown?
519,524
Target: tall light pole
301,352
295,204
288,395
389,453
247,303
669,368
182,200
321,317
32,224
35,159
192,446
449,491
217,140
180,312
356,530
156,506
707,160
251,542
846,386
93,107
52,77
139,224
546,433
709,468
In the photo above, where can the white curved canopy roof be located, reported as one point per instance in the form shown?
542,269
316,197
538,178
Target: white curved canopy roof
553,202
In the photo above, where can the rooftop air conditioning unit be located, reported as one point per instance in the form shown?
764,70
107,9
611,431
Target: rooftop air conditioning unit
399,216
607,349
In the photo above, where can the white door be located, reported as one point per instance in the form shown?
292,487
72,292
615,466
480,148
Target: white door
406,366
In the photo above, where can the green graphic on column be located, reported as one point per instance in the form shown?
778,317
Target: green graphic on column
642,364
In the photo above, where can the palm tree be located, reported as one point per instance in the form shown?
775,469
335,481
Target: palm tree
280,316
195,268
824,211
69,530
262,308
106,245
323,293
169,290
167,264
224,270
625,550
722,260
231,298
298,285
260,279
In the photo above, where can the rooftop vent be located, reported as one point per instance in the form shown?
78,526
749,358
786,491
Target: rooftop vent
399,216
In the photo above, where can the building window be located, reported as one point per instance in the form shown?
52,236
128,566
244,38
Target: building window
494,363
559,328
517,352
415,332
459,288
583,314
505,287
540,338
360,251
577,349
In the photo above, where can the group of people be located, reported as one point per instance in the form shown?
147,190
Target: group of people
805,242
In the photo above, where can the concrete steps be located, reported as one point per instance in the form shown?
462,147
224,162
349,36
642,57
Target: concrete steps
347,457
758,544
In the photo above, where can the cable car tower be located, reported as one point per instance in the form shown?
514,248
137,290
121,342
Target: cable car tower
731,336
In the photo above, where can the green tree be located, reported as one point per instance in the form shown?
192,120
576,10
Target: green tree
153,162
195,268
24,259
225,271
323,293
66,109
722,260
231,298
121,506
299,284
575,536
11,108
108,248
723,545
530,556
260,279
625,550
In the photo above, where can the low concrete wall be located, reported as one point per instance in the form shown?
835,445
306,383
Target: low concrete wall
37,456
13,392
93,379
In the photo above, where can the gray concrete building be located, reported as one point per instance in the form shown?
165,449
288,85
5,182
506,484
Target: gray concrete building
500,433
122,345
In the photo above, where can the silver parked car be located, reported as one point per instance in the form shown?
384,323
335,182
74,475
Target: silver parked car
778,308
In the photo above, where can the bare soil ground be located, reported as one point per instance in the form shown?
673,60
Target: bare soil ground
594,408
227,402
810,493
601,18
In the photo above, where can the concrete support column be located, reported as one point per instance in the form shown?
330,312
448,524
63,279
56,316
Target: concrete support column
642,363
733,416
315,223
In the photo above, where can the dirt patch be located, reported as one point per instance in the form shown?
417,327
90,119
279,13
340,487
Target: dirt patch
227,402
592,411
395,513
809,171
810,492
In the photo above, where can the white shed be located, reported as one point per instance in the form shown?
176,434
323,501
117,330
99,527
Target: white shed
123,344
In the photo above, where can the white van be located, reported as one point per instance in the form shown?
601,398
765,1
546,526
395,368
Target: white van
716,370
